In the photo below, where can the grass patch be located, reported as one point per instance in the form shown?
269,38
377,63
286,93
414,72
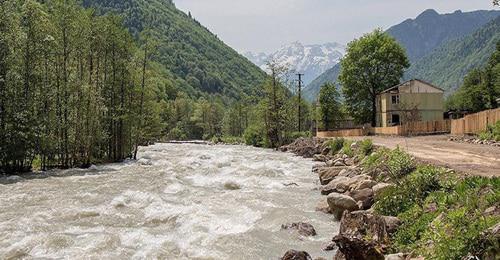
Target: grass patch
443,215
492,133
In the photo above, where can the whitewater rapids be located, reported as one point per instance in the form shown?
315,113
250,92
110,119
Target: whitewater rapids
178,201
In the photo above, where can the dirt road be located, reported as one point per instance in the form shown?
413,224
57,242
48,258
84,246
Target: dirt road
473,159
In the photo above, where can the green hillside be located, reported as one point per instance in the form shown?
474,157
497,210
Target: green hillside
447,65
312,90
194,59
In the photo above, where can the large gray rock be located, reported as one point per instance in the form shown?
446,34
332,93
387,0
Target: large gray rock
339,185
364,184
349,172
339,203
363,197
323,206
296,255
362,235
399,256
326,175
304,229
391,224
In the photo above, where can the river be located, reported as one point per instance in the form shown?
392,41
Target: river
178,201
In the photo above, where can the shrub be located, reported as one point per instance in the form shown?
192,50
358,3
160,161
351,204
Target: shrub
399,164
366,147
336,145
411,191
347,149
254,136
176,134
492,132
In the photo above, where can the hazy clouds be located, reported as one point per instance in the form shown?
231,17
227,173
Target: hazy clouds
265,25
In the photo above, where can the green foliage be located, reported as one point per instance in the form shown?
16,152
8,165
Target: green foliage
412,190
382,61
449,223
347,148
447,65
330,105
399,164
366,147
492,132
254,136
481,87
194,60
336,145
70,87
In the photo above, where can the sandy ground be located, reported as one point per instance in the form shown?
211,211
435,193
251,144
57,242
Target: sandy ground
472,159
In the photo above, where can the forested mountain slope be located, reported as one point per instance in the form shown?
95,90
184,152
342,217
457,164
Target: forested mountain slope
425,36
447,65
194,59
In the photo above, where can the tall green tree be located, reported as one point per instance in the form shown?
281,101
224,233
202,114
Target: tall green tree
373,63
480,89
330,105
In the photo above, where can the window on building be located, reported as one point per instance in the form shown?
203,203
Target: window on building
395,99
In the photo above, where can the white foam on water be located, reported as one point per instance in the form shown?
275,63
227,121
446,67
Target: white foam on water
175,202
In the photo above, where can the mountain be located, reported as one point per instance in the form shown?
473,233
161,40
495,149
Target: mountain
312,60
196,61
420,37
447,65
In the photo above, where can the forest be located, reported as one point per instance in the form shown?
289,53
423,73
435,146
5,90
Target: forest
77,88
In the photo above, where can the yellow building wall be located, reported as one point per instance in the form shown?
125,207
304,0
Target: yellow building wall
430,105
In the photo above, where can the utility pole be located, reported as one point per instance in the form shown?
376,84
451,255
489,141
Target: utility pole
300,101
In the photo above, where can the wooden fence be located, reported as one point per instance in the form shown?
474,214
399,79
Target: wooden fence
475,123
343,133
471,124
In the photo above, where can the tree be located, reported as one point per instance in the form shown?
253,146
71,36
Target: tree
330,105
480,89
372,63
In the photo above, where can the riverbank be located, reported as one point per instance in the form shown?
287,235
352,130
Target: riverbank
392,206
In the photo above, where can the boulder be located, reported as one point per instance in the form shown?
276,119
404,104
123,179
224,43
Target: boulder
304,229
296,255
362,235
339,203
399,256
339,163
349,172
357,180
323,206
364,184
339,185
380,187
363,197
326,175
391,224
320,158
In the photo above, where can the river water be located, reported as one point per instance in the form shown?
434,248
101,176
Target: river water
178,201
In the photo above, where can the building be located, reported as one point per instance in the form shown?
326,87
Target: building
413,100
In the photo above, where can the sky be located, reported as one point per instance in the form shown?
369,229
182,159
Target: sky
266,25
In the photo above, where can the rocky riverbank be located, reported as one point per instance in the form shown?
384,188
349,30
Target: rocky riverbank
374,191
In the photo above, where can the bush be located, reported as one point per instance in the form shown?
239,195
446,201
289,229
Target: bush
336,145
399,164
254,136
411,191
347,149
292,136
366,147
450,219
177,134
491,133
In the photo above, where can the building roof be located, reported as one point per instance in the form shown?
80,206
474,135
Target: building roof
399,85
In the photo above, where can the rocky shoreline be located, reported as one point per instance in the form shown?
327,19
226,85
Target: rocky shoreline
350,191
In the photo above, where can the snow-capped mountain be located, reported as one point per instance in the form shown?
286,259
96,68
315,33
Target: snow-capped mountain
312,60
